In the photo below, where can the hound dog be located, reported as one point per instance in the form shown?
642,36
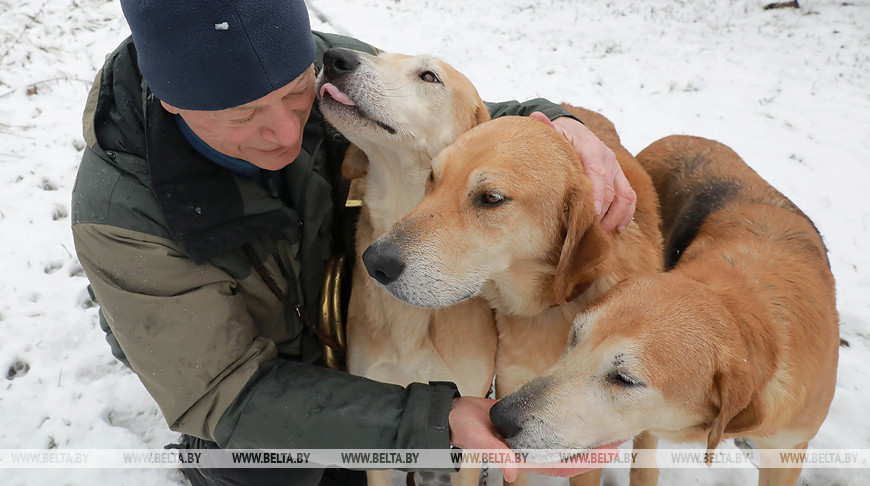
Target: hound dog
739,338
399,111
510,217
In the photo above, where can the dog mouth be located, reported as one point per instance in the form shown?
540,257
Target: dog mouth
330,92
428,300
564,454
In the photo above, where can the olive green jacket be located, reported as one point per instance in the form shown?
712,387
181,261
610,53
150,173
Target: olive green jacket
167,239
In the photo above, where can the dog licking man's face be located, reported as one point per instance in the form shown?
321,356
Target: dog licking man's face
380,100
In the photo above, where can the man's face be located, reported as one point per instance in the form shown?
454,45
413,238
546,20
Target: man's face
266,132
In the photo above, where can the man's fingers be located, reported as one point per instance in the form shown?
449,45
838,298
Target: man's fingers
612,194
597,173
542,117
622,209
510,471
559,472
628,217
609,195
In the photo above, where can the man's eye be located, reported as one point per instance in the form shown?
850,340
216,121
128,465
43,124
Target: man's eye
491,199
429,77
244,119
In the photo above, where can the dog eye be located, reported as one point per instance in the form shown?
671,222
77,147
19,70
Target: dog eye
429,77
624,380
491,199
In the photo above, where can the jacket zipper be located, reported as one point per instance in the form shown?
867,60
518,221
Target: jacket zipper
294,282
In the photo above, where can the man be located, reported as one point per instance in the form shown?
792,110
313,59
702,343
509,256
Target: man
204,211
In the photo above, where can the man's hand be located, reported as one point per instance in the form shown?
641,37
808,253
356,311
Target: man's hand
470,428
614,198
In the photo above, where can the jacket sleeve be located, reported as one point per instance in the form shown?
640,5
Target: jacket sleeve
324,41
186,333
513,107
321,409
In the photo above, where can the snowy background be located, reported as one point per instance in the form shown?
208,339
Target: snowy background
788,89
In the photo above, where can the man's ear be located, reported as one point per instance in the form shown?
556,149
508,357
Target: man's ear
585,248
355,164
740,407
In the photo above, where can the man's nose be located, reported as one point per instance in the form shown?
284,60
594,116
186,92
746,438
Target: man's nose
339,61
284,127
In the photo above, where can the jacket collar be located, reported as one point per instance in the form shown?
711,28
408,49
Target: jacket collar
238,166
203,202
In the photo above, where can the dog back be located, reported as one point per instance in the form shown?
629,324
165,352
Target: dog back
725,226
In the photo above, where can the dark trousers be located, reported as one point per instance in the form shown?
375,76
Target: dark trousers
264,477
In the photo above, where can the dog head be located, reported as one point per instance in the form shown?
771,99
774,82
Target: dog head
509,214
386,100
657,353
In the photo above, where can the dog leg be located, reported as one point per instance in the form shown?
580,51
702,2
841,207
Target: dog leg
379,477
644,476
467,476
780,476
589,478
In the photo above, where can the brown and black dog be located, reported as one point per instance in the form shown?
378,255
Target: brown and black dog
510,217
739,338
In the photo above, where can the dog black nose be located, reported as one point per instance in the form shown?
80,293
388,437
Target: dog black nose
339,61
382,262
505,418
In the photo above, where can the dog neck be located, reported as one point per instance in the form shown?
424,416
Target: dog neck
395,183
526,290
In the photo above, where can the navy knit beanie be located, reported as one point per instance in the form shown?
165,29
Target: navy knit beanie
217,54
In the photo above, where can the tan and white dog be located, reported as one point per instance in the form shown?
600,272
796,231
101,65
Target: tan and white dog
400,111
510,217
738,339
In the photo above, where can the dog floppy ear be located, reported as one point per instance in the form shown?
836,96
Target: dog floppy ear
355,164
481,113
740,407
584,249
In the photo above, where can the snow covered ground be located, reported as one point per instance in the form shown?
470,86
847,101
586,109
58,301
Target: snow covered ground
788,89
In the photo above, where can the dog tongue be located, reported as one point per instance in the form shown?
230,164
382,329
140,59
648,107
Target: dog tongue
336,94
